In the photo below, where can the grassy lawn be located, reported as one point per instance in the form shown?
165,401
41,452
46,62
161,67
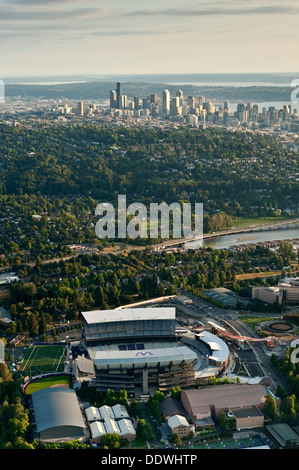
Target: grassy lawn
254,321
243,222
139,444
242,277
47,382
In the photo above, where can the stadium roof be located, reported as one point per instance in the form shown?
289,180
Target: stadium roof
218,347
117,359
55,407
129,314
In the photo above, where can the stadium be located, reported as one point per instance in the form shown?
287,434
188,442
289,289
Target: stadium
141,350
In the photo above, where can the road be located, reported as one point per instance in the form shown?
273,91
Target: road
228,318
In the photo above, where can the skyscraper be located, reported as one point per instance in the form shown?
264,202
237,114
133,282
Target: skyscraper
81,108
119,95
166,102
113,99
180,95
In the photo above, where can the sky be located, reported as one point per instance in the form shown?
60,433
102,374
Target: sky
110,37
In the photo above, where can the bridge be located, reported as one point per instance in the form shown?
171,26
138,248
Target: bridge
293,223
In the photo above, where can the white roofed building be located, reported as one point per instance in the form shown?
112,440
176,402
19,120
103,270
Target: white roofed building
180,426
97,430
92,414
107,420
126,429
120,411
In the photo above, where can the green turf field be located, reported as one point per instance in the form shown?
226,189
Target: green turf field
43,359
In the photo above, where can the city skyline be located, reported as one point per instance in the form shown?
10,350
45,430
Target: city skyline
51,37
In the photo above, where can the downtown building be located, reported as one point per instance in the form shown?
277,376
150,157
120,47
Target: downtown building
137,349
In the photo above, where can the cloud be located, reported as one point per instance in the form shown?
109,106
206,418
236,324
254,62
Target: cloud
144,32
49,15
43,3
219,9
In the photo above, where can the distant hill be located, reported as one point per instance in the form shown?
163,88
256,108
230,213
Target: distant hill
99,90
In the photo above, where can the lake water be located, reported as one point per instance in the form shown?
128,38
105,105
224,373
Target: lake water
226,241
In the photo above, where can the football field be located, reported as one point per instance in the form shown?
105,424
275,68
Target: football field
43,359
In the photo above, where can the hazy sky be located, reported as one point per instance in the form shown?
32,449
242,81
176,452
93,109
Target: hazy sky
61,37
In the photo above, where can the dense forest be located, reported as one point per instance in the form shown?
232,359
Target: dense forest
52,292
225,167
54,175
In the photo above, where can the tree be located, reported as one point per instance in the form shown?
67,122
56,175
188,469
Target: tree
176,439
270,407
135,409
5,374
34,327
144,431
43,324
111,440
281,392
176,392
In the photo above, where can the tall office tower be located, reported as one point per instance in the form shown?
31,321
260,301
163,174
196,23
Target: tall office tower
81,108
243,116
191,102
124,101
119,95
113,99
226,105
136,102
154,99
166,102
180,95
253,113
175,108
201,100
240,111
240,107
210,107
145,103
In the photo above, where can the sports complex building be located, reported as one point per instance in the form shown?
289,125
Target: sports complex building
141,350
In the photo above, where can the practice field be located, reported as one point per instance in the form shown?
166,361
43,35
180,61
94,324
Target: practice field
43,359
